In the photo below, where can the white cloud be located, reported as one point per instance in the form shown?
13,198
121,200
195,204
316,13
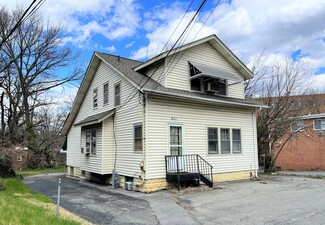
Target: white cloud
249,27
129,45
111,49
112,19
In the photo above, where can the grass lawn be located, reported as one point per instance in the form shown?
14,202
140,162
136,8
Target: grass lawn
19,206
41,170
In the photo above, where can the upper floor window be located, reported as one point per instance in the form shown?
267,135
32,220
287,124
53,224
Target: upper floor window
208,79
319,124
105,93
95,98
297,126
117,94
138,137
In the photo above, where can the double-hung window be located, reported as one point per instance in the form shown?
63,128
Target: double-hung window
213,140
117,94
95,98
105,93
224,140
319,124
236,141
91,141
138,143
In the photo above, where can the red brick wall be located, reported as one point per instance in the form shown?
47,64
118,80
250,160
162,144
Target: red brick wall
305,151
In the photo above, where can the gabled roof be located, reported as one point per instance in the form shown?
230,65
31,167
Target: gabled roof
217,44
128,69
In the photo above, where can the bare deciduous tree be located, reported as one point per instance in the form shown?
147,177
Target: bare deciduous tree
280,85
30,67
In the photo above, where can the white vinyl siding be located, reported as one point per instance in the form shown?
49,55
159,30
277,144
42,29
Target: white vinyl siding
177,75
156,72
195,120
131,113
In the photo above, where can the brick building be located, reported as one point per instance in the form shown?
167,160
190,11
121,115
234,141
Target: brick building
306,149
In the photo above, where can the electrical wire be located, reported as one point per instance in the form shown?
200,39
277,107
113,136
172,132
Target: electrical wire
135,90
169,51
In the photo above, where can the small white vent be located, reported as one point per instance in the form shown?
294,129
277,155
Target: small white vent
321,133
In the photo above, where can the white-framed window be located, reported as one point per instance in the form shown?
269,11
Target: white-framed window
319,124
224,140
176,140
297,126
236,141
117,94
138,138
105,93
213,146
19,158
95,97
91,141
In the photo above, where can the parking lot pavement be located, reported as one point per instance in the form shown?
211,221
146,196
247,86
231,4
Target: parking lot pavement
272,200
92,204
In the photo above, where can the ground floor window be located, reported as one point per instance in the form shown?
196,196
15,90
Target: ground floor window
138,140
91,141
228,140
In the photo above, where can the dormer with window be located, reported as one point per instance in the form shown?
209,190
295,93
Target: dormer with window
210,80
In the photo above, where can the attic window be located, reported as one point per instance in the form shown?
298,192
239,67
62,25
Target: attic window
209,79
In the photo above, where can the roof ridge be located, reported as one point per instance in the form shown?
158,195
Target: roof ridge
118,56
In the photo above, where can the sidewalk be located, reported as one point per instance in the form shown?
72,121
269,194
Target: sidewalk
303,173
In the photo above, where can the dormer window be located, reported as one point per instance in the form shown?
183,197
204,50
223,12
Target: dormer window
208,79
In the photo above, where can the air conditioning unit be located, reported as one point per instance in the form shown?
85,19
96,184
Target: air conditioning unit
210,87
321,133
87,151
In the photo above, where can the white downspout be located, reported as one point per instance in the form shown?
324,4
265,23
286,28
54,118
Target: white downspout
255,142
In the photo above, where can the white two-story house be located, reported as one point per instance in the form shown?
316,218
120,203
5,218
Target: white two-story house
178,116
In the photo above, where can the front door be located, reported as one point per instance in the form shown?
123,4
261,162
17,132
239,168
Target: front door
175,140
176,163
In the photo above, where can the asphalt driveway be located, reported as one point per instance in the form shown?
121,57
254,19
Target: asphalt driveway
92,204
271,200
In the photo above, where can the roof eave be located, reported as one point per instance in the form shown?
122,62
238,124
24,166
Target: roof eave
162,93
215,42
82,91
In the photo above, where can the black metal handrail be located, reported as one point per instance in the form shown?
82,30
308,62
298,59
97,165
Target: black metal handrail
194,163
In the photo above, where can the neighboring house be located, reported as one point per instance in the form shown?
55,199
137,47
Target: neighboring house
181,112
306,149
19,156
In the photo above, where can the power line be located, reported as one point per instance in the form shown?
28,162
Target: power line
17,24
135,90
187,26
171,67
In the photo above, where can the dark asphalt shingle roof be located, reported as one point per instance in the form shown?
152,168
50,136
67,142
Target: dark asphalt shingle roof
95,118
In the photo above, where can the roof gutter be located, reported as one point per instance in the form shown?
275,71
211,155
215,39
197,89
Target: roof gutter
163,93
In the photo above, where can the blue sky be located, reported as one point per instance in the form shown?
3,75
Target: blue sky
140,29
